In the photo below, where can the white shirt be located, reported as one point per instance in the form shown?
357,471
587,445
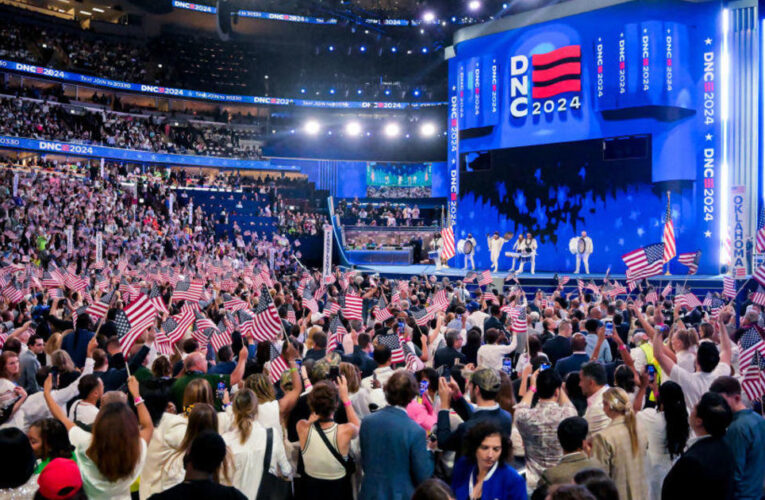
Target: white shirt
695,384
163,468
83,412
686,360
477,318
595,416
96,486
491,355
35,407
268,416
248,459
377,395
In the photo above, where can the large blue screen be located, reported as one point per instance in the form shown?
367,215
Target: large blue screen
645,70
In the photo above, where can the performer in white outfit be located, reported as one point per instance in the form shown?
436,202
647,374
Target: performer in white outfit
528,249
581,247
470,256
437,244
516,250
495,247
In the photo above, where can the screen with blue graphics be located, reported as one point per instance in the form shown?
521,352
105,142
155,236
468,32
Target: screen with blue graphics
641,80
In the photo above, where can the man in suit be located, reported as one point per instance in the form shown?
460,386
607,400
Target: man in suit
451,353
578,357
483,388
394,451
495,320
572,435
706,470
559,346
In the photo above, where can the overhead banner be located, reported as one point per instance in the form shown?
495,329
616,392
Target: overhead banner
326,269
131,155
68,76
739,221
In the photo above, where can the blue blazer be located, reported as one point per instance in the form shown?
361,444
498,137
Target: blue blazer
570,364
394,455
504,484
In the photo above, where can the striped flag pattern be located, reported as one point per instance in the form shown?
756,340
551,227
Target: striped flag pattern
484,278
669,234
690,259
133,320
265,323
644,262
759,274
760,239
353,305
447,236
758,297
729,287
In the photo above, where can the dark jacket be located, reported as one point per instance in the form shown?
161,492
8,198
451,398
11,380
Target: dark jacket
570,364
76,345
704,472
452,441
447,356
394,455
557,348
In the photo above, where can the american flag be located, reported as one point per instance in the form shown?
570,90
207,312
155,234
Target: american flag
162,344
593,287
265,324
715,306
413,363
760,245
100,306
687,298
669,234
101,282
291,318
133,320
652,297
203,330
188,290
758,297
485,278
175,327
690,259
729,287
309,302
518,320
277,366
155,296
423,316
75,282
393,342
707,300
382,312
353,305
667,291
52,280
753,383
12,292
619,289
447,235
470,277
563,281
580,286
233,303
759,274
440,300
644,262
329,279
336,332
752,349
490,297
395,298
77,312
330,308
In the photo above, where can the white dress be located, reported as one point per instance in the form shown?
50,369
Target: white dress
163,468
248,459
653,427
96,486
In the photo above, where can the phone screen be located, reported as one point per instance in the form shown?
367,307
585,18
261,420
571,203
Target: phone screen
609,328
507,365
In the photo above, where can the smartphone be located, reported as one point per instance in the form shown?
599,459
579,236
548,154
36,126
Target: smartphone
401,326
424,387
220,391
544,366
299,363
507,365
651,370
448,373
609,328
334,373
54,373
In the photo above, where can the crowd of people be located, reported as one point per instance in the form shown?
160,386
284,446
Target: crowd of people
201,62
22,117
389,214
252,377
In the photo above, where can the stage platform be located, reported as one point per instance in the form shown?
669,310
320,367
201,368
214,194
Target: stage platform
546,280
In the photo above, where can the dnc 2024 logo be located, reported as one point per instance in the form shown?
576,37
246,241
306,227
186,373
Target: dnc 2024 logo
552,74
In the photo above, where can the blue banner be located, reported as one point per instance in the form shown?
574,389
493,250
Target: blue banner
68,76
130,155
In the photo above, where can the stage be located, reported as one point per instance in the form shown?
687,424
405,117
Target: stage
699,283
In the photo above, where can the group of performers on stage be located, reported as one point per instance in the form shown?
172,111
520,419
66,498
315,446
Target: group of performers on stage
524,250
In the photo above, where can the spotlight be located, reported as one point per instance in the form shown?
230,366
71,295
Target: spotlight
393,49
392,129
424,50
387,91
363,48
312,127
332,91
265,76
416,93
353,129
428,17
427,129
358,92
302,91
474,5
331,48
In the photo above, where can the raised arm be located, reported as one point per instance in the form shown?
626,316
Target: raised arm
55,410
288,402
144,419
725,344
238,373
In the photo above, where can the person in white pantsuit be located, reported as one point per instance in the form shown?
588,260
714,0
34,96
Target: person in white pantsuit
495,247
582,248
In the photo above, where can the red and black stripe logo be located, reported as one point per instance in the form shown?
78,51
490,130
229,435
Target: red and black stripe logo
557,72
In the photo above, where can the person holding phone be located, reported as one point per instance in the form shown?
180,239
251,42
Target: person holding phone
12,396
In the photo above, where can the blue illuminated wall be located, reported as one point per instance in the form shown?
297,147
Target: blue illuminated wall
640,68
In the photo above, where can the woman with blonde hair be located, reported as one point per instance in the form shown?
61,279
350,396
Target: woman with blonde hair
248,442
52,345
619,447
272,412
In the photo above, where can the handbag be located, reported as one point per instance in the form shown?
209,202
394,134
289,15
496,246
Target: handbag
272,487
350,465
